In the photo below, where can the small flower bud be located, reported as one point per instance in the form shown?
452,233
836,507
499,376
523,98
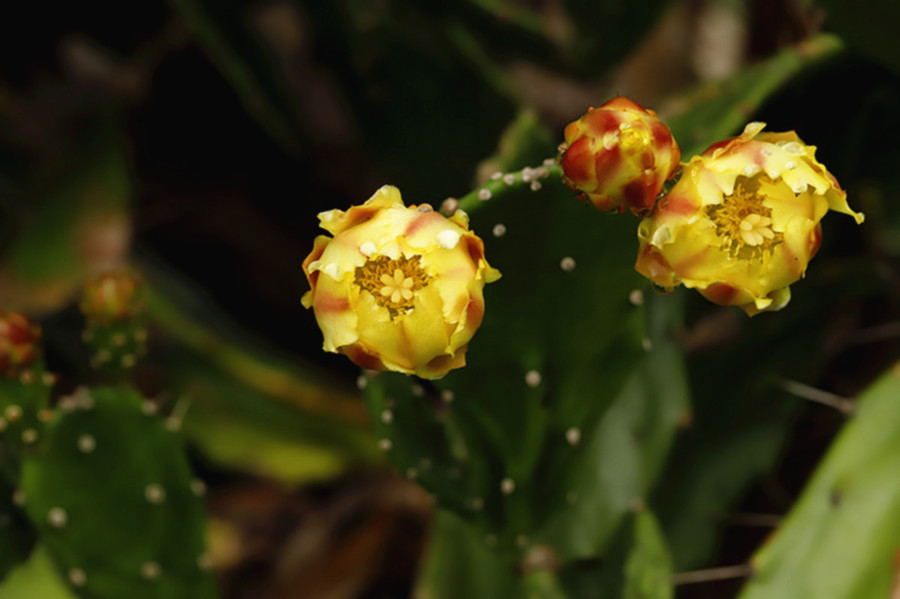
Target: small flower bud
110,297
18,343
618,156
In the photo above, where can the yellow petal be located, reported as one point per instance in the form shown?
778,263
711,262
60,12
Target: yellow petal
336,221
418,315
742,223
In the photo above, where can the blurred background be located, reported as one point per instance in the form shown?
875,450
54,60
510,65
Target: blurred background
194,142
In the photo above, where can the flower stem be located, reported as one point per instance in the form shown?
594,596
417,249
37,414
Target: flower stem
502,183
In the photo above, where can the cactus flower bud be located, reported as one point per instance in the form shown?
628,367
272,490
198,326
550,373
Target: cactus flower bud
18,342
112,296
618,156
742,223
397,288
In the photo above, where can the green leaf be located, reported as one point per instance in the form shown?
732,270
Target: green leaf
704,483
840,539
115,504
718,110
561,418
197,326
867,26
742,419
237,427
648,571
623,457
249,408
17,537
607,30
37,578
458,563
56,246
637,566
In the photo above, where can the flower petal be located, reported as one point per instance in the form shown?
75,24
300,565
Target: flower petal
742,223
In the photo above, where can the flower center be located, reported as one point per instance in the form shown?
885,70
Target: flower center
742,221
393,283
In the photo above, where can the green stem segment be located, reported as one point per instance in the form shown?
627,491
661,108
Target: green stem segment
502,183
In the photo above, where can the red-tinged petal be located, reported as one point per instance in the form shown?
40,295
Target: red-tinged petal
397,287
578,161
619,156
363,357
742,223
19,343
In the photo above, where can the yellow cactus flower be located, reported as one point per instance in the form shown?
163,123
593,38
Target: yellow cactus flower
742,223
397,288
618,156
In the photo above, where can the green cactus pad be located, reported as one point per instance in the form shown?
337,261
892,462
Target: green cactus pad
17,538
23,411
568,386
114,501
648,571
116,347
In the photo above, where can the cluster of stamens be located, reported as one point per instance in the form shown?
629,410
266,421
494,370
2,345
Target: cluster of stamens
393,283
743,222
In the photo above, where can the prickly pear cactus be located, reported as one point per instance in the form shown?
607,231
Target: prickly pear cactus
114,501
17,538
548,441
23,416
24,392
553,430
115,331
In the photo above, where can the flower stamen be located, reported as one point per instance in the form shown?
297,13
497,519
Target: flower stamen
397,286
755,229
743,222
392,283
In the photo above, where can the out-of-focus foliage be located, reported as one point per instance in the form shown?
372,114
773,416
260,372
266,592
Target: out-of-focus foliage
18,538
719,109
78,224
138,533
867,27
840,539
36,579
